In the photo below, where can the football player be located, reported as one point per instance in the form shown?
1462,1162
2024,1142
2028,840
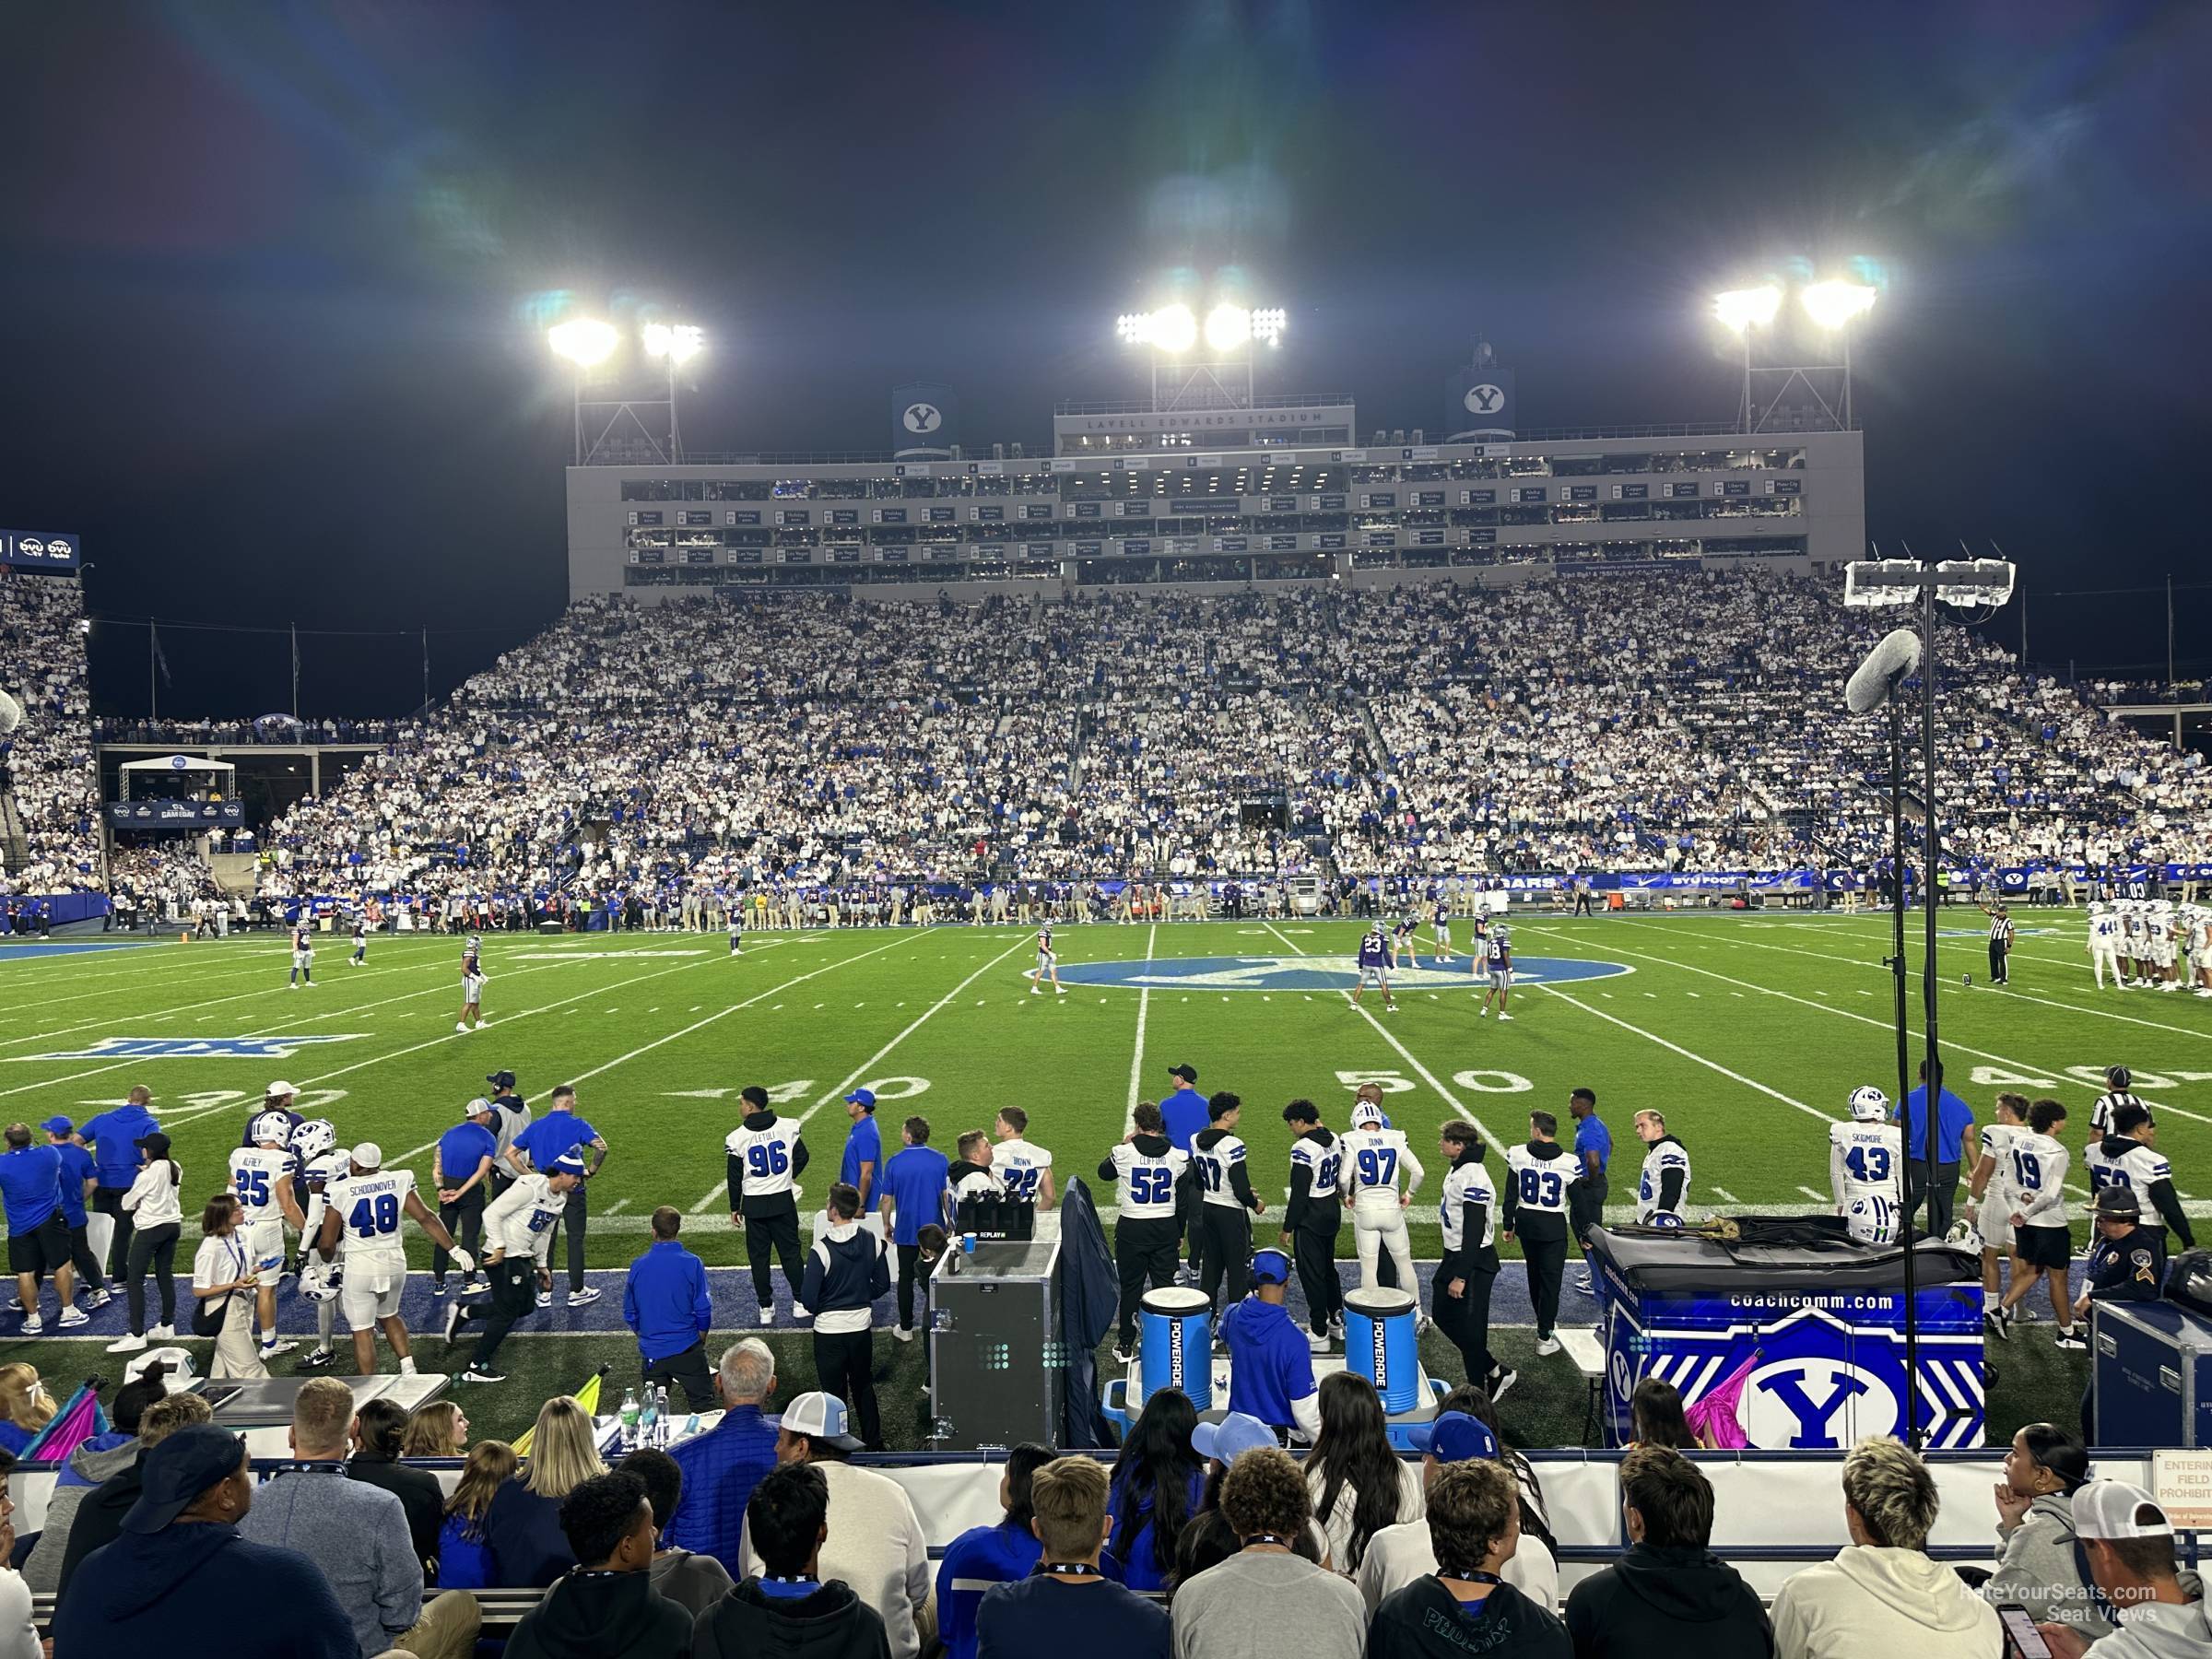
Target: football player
1440,923
2128,1157
1461,1297
1374,1156
1496,960
1990,1198
1025,1170
1148,1171
1048,965
1534,1202
763,1160
2104,945
2043,1248
304,954
1376,963
1227,1202
1313,1217
1404,941
362,1214
261,1178
1663,1188
1865,1168
472,986
360,941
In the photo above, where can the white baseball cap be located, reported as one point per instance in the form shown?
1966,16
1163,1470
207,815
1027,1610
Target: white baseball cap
281,1087
818,1417
368,1155
2111,1509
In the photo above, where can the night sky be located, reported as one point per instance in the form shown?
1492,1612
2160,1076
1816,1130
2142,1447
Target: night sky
275,275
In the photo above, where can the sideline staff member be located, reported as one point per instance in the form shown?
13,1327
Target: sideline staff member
2127,1263
1271,1369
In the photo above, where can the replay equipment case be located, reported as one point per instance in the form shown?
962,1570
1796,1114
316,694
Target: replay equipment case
2154,1375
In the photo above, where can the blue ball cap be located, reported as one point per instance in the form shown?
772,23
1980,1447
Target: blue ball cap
861,1097
1453,1437
58,1125
1231,1437
1270,1267
177,1471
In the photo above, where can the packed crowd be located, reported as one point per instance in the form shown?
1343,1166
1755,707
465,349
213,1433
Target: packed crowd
48,763
760,1536
1685,720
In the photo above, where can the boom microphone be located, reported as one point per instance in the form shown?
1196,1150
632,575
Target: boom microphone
1897,656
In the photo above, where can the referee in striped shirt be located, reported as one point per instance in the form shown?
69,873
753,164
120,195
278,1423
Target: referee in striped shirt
2000,943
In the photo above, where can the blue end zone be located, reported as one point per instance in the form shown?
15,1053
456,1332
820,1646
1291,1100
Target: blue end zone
11,951
1316,973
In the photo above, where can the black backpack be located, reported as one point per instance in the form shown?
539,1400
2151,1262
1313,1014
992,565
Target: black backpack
2189,1281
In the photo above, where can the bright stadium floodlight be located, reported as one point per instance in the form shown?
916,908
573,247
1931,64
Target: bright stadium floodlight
1832,304
678,342
1133,328
1173,329
1268,325
585,341
1743,309
1228,327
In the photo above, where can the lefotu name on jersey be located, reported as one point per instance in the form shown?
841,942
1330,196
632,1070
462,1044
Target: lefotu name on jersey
1316,974
193,1047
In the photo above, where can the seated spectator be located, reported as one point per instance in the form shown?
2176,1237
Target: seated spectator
25,1406
1158,1481
1207,1539
876,1544
1399,1555
1032,1615
1657,1418
1535,1520
2044,1468
1474,1525
18,1630
101,1512
1669,1594
2129,1543
438,1430
357,1534
1882,1596
463,1548
1241,1608
720,1466
985,1555
1359,1483
378,1429
695,1582
605,1608
93,1463
789,1610
179,1566
523,1525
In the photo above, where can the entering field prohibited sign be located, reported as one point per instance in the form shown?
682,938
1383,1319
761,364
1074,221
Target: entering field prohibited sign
2182,1482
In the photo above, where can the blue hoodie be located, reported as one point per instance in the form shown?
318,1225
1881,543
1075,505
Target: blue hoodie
197,1577
115,1134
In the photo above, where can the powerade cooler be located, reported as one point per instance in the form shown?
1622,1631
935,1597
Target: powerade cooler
1823,1318
1175,1344
1380,1344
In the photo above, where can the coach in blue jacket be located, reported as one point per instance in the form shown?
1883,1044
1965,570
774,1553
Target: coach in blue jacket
1271,1366
114,1135
664,1301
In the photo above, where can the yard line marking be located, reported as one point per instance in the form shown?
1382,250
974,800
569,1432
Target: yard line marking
1816,1197
616,1208
1678,1049
1725,1196
1144,1009
714,1194
920,1020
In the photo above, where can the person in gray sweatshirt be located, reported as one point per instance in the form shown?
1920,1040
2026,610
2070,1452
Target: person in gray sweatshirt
2040,1568
1242,1607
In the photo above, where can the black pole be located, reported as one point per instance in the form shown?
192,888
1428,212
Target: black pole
1930,985
1898,970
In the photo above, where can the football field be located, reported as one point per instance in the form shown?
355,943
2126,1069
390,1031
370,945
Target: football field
1749,1031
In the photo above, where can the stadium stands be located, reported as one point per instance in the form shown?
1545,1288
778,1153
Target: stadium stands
49,764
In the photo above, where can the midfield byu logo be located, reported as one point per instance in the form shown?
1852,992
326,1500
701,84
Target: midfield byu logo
923,418
1817,1405
1484,399
194,1048
1312,973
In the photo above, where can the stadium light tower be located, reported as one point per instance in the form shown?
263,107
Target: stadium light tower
585,343
1832,307
675,344
1229,332
1740,310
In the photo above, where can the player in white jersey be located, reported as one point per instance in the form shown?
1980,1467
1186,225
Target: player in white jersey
1146,1171
472,986
2134,942
2195,933
319,1283
364,1210
1990,1196
1025,1170
2104,945
1373,1160
1663,1185
2119,1086
361,942
1867,1167
2129,1157
764,1156
1048,966
261,1179
304,954
2043,1248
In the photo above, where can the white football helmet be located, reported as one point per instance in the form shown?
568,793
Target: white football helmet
313,1138
1366,1114
1869,1104
272,1126
319,1280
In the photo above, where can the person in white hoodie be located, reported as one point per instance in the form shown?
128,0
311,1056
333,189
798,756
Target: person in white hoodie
1883,1597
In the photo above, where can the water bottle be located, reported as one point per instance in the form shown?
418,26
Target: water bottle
661,1411
629,1419
649,1419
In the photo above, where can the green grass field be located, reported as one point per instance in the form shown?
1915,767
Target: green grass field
1742,1028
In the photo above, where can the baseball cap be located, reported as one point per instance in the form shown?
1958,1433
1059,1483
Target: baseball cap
2119,1203
475,1107
2110,1510
861,1097
178,1470
818,1417
501,1079
57,1125
1270,1267
368,1155
1231,1437
1189,1074
281,1087
156,1143
1453,1437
